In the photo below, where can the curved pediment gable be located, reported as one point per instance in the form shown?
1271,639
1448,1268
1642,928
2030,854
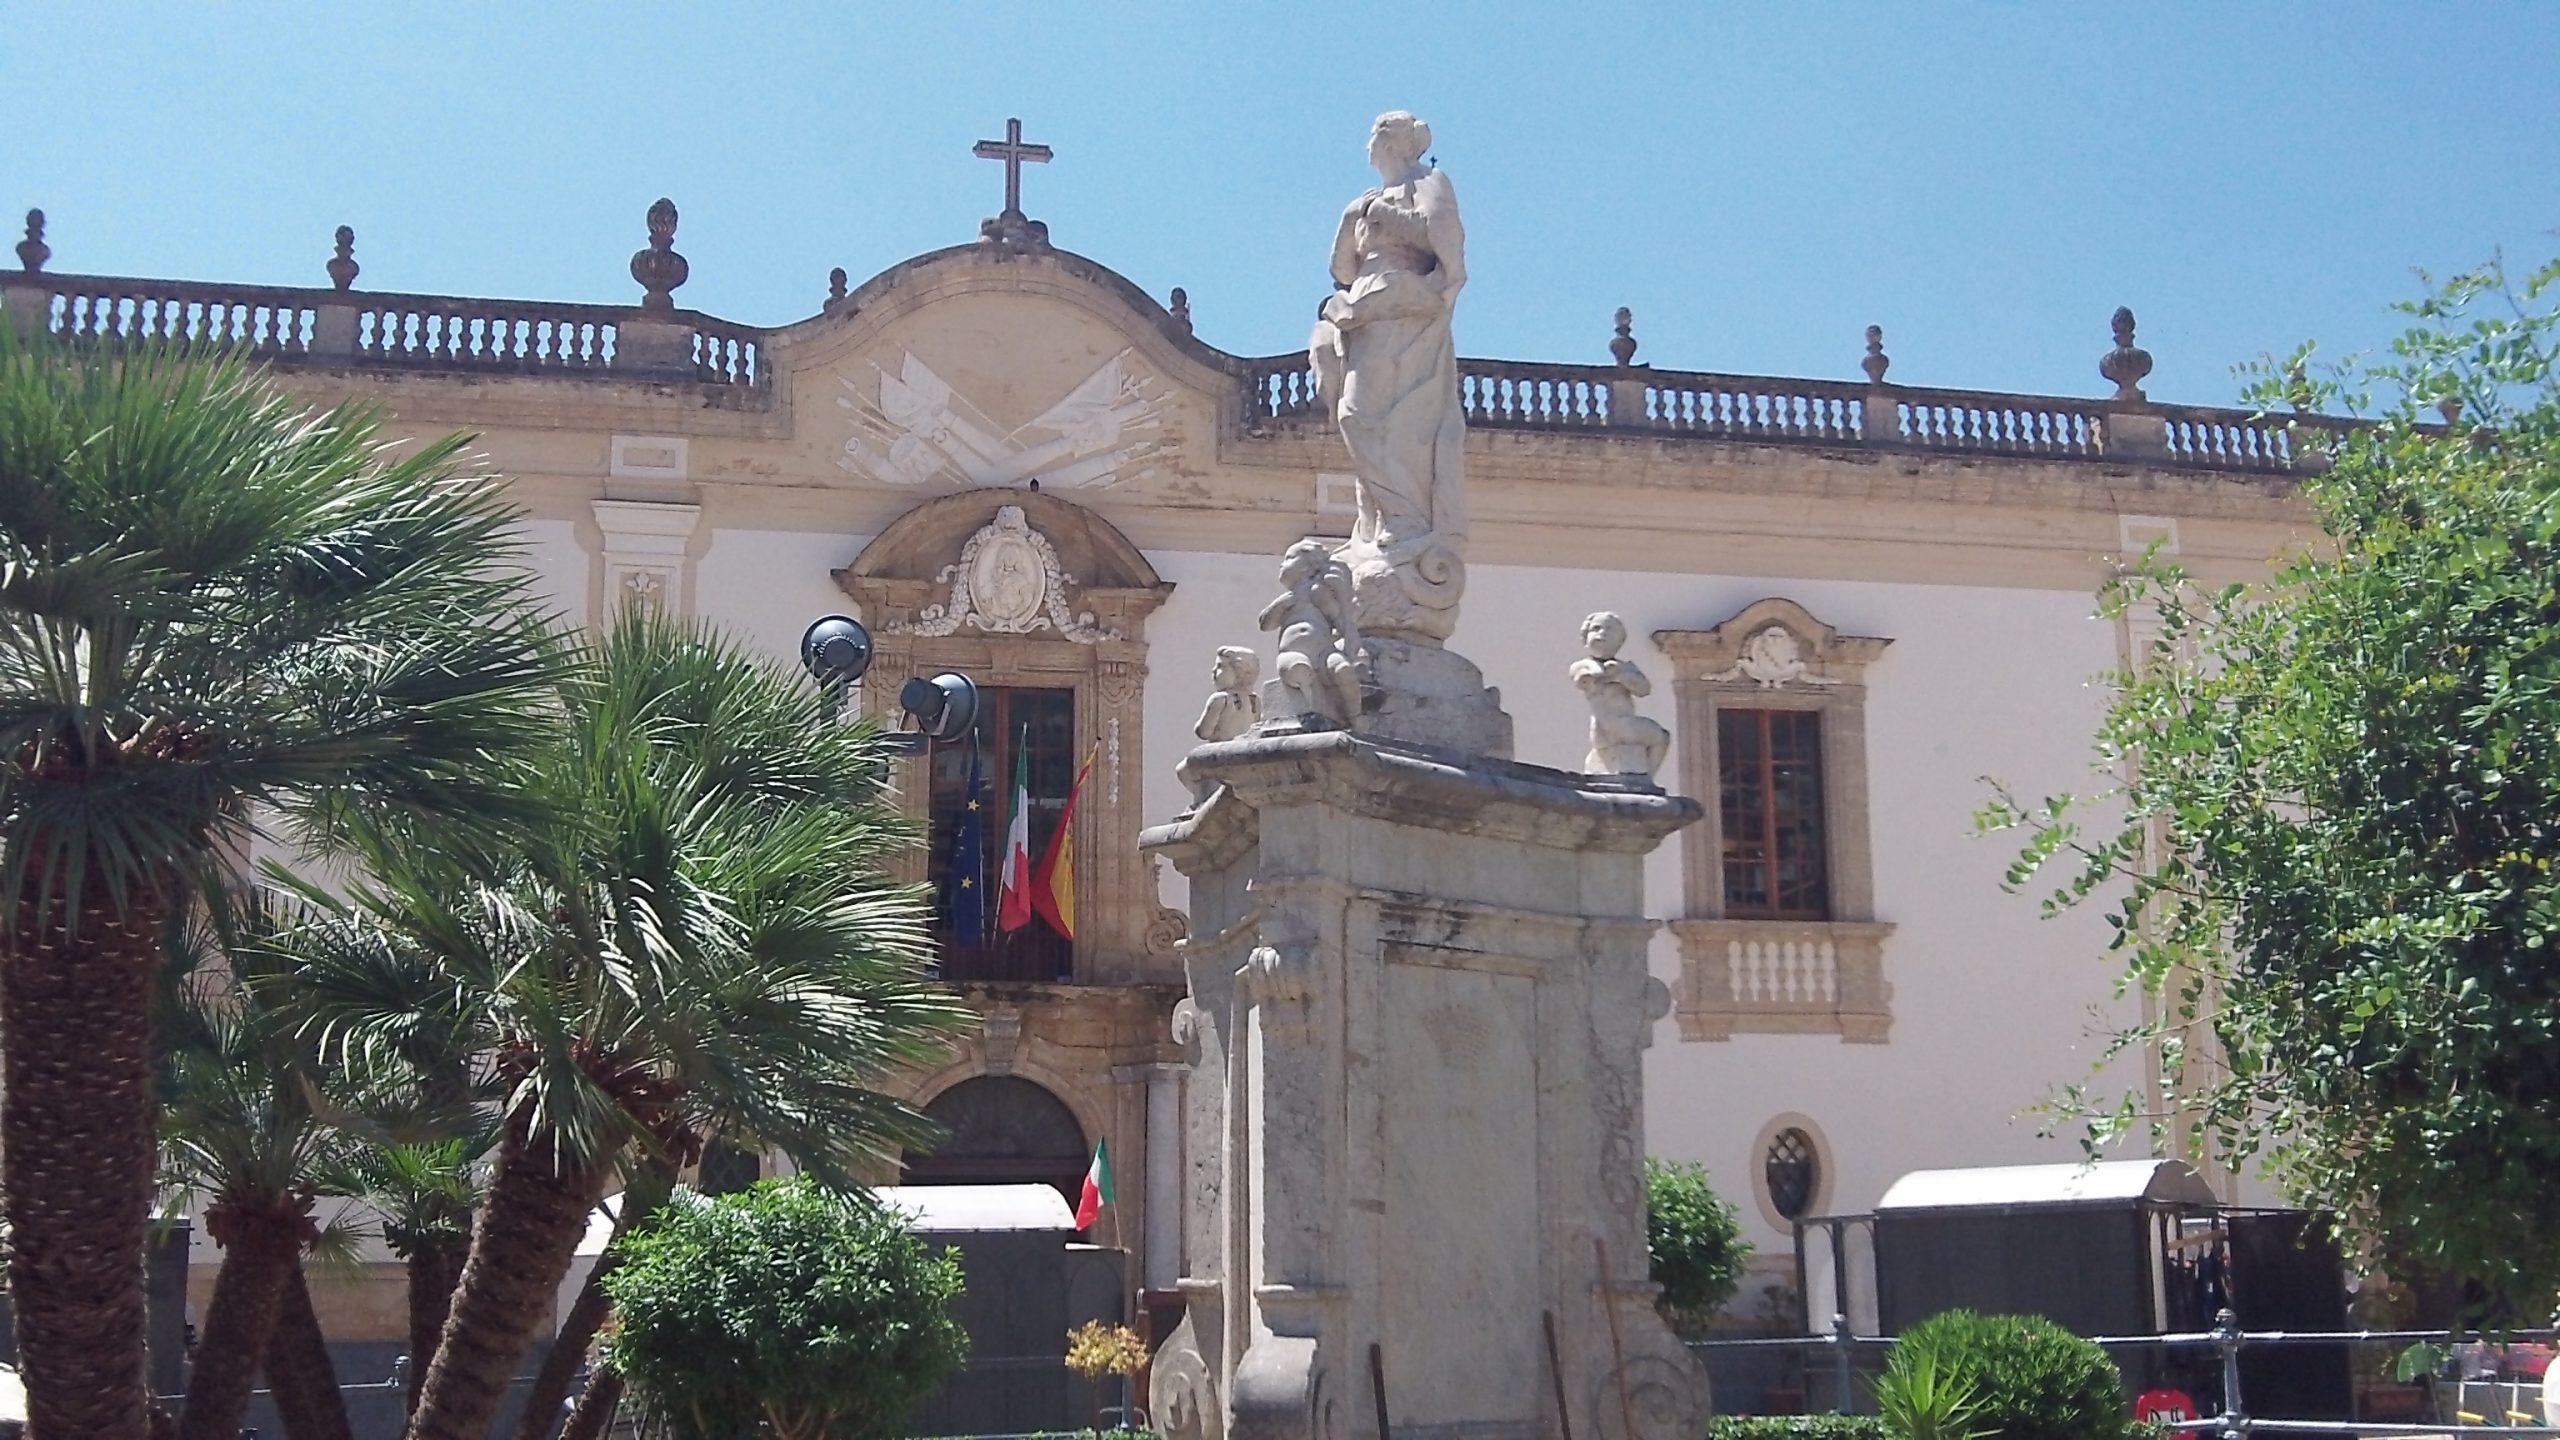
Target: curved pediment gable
1060,273
983,368
1772,643
1004,562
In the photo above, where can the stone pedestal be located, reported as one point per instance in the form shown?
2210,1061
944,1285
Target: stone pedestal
1413,1119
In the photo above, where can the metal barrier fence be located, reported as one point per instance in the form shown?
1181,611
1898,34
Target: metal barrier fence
376,1409
1849,1362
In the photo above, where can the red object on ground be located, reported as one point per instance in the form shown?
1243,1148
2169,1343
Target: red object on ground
2165,1406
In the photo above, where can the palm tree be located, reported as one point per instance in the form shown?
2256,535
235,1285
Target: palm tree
424,1192
699,939
214,604
255,1122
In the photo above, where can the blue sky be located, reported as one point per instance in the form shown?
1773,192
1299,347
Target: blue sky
1758,182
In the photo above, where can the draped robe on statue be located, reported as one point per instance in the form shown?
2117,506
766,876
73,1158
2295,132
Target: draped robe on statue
1388,370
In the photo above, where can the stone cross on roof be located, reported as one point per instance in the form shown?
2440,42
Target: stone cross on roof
1012,227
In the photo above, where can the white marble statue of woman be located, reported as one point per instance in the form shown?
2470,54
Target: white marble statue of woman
1622,741
1386,366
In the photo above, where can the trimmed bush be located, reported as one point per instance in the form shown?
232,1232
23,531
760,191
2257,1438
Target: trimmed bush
818,1314
1696,1240
1795,1427
2032,1379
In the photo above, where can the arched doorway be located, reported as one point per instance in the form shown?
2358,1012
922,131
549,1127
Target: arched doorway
1002,1129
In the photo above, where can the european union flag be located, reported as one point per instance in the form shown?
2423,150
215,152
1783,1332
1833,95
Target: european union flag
964,886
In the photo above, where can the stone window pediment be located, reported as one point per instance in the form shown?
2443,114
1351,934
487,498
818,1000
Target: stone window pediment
1762,952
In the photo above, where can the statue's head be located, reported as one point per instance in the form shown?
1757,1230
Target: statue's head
1235,668
1397,141
1603,634
1304,559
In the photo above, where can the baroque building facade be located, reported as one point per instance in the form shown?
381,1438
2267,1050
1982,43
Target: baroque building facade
1856,599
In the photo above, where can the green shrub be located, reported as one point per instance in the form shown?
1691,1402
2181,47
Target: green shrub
2032,1379
1696,1239
1919,1396
817,1313
1795,1427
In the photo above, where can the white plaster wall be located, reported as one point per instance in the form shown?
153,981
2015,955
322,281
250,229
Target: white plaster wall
559,564
1992,1006
765,586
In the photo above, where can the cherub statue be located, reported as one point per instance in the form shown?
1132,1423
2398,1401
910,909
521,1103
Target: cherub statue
1233,708
1318,638
1622,741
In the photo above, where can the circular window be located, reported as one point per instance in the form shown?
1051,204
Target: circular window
1791,1170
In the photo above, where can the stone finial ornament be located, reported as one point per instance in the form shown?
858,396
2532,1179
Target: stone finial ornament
32,251
1622,346
1011,229
835,291
1876,362
659,269
1622,741
1318,635
2126,364
343,268
1181,308
1233,706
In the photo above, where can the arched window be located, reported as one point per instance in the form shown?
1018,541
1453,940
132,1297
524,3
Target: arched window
1003,1129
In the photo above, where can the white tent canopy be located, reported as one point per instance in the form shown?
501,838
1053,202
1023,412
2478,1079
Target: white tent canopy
2109,1182
944,1209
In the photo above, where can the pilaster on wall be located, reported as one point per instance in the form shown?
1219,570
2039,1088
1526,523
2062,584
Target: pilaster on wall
644,556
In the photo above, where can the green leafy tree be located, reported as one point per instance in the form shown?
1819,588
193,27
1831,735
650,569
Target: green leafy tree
2334,855
214,604
1695,1236
699,939
817,1313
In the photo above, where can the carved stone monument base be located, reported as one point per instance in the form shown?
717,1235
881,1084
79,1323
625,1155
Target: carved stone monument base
1414,1116
1426,695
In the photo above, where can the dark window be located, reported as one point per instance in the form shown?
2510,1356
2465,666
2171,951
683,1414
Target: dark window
1792,1170
1769,773
1002,1130
727,1169
1039,724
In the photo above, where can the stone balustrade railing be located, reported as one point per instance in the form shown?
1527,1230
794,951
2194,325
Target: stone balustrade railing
376,329
1279,393
338,328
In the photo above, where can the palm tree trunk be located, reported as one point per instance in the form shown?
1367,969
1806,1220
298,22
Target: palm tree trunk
641,1199
523,1244
260,1247
300,1372
560,1367
596,1406
435,1272
79,1124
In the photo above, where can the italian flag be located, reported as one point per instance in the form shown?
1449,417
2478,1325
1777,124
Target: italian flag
1053,885
1015,911
1097,1187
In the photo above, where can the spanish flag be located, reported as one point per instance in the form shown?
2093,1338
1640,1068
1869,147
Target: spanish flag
1053,884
